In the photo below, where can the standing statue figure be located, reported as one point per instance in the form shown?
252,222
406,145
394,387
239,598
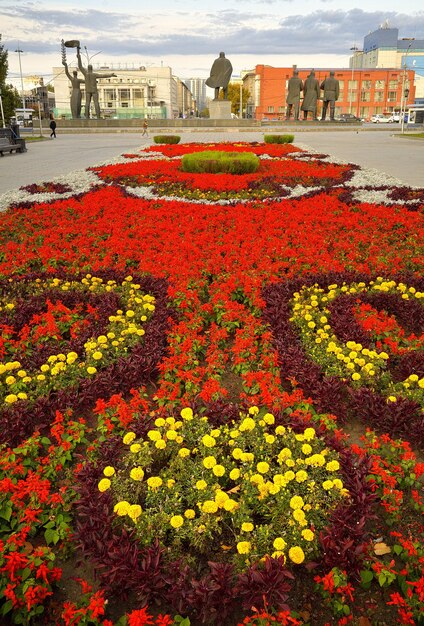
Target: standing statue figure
294,87
331,88
76,92
311,94
220,75
91,92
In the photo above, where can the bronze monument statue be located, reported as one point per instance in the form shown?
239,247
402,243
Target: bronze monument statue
331,88
311,94
76,92
220,75
90,79
295,86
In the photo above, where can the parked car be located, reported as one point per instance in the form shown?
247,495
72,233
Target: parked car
395,117
348,117
379,118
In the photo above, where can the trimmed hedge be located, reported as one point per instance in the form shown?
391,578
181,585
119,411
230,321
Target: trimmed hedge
278,138
216,162
166,139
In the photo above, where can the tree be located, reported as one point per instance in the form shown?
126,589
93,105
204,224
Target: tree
9,95
234,97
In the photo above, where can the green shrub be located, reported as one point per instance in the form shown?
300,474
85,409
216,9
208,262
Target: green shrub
278,138
216,162
166,139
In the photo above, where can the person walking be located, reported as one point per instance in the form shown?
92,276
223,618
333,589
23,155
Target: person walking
145,127
53,129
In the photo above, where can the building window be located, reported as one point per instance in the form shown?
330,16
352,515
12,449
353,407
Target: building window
138,94
110,94
353,84
392,96
124,105
379,84
379,96
366,84
365,96
124,94
393,84
281,109
270,109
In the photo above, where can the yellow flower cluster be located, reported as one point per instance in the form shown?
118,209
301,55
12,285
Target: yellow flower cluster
123,331
351,360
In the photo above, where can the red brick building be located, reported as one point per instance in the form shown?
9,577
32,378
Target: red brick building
363,92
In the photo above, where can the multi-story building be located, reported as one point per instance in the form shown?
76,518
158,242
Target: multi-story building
363,92
383,49
197,86
150,92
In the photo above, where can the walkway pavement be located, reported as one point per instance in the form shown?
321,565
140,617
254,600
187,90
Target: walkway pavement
45,160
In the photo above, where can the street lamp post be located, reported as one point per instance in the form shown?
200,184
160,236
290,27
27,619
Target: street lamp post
2,111
353,49
19,51
405,92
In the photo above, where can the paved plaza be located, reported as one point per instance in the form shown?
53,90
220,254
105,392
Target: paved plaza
45,160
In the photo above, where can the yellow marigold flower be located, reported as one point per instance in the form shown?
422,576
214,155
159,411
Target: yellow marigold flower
159,422
22,395
137,473
179,439
306,448
235,474
11,398
316,459
247,457
208,441
21,374
421,383
135,447
97,355
154,482
201,485
128,438
280,430
10,380
171,435
134,512
44,367
104,484
269,418
307,534
187,413
160,445
183,452
290,462
309,434
243,547
189,514
109,471
269,439
154,435
102,339
247,424
247,527
215,432
230,505
289,475
121,508
237,453
218,470
262,467
333,466
296,555
209,462
356,376
298,515
257,479
41,377
279,544
296,502
253,410
176,521
301,476
328,484
221,497
209,506
234,434
338,483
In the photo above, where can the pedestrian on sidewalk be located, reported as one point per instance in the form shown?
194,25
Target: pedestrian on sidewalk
53,129
145,127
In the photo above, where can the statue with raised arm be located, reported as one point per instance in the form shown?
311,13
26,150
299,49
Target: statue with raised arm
331,88
76,92
294,87
220,75
90,79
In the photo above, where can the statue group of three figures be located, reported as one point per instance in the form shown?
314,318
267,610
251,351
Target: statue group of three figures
311,94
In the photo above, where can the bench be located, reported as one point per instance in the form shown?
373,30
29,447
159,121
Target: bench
5,146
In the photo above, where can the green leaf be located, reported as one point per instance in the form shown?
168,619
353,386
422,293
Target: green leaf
366,577
6,607
382,579
397,549
25,573
6,512
45,441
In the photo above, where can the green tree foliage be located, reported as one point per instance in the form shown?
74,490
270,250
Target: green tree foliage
9,95
234,97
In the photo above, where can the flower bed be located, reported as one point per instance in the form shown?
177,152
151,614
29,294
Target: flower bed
188,367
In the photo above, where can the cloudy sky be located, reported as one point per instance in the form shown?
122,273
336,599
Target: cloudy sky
189,34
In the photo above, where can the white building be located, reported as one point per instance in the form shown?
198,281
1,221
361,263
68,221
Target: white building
150,92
